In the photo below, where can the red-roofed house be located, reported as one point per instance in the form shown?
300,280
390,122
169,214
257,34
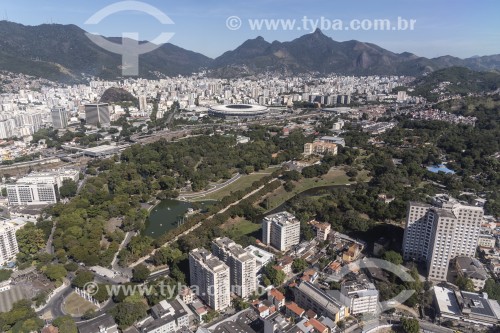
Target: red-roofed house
275,296
293,310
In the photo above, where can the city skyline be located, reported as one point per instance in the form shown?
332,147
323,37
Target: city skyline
435,33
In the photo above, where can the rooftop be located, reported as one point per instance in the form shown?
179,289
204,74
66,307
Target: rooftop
282,218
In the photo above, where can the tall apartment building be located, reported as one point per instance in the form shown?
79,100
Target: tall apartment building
59,117
7,128
97,114
8,242
211,277
281,231
242,265
439,232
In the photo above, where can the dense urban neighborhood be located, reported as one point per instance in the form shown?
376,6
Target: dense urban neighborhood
266,202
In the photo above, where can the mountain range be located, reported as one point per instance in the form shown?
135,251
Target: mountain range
64,53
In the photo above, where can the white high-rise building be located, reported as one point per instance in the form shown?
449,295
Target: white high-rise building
8,242
281,231
242,265
143,105
7,128
211,277
439,232
38,188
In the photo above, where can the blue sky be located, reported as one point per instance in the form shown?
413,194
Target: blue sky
459,28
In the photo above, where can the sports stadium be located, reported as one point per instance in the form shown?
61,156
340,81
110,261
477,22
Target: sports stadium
237,110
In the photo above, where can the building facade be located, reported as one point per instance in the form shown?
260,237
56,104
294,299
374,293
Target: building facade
320,148
211,277
310,297
59,117
242,265
8,243
281,231
39,188
360,295
439,232
97,114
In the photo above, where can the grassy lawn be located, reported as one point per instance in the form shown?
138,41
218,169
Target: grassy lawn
238,227
76,305
333,177
242,183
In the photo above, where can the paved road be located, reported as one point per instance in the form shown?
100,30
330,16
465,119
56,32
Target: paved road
48,248
54,305
114,264
215,188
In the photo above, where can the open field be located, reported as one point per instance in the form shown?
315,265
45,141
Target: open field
238,227
241,183
76,305
333,177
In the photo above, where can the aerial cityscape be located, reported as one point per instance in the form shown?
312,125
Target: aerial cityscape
262,167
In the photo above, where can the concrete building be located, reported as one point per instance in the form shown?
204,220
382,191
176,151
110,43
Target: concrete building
8,242
360,295
39,188
60,117
97,114
211,277
486,240
439,232
7,128
262,257
473,269
320,148
322,230
281,231
242,265
466,306
167,317
310,297
333,139
31,194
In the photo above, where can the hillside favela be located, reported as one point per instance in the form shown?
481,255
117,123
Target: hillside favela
249,167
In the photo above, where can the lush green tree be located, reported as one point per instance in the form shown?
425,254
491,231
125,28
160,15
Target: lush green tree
30,239
167,255
68,188
210,316
275,276
140,273
299,265
82,278
127,313
492,288
393,257
5,274
410,325
55,272
102,293
21,318
65,324
40,298
464,283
